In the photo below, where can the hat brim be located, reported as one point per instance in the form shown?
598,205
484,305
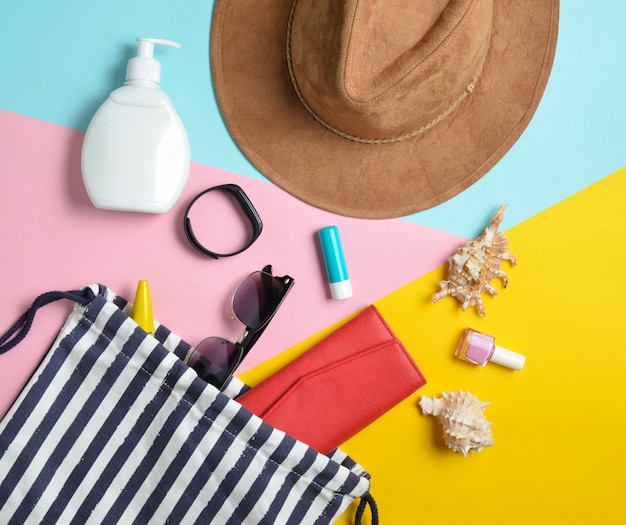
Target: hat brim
283,141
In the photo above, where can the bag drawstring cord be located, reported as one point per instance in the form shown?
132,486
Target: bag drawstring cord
20,329
367,499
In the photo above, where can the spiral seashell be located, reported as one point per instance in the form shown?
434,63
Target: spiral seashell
461,416
475,264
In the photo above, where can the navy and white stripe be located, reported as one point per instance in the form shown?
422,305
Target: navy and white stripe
114,427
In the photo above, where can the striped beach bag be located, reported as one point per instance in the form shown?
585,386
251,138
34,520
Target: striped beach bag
113,427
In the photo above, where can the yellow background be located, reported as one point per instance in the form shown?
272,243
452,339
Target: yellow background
558,424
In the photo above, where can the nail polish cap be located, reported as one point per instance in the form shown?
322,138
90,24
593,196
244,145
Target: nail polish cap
507,358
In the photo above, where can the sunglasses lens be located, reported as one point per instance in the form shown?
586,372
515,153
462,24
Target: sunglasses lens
256,299
214,358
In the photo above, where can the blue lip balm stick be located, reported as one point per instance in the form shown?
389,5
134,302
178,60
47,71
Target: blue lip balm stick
335,263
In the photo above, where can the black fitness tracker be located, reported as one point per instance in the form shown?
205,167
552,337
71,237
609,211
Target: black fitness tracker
246,206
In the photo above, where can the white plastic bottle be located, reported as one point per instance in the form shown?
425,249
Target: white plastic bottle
135,154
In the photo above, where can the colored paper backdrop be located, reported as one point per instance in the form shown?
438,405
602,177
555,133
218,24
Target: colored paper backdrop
555,459
556,424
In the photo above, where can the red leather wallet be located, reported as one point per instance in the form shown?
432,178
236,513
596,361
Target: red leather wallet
338,386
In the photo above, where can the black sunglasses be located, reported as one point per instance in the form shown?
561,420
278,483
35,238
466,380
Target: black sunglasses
254,303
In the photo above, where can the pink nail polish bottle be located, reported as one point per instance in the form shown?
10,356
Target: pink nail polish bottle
477,348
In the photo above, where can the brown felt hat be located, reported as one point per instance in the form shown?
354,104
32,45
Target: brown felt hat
379,108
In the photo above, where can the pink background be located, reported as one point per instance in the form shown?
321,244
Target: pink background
54,239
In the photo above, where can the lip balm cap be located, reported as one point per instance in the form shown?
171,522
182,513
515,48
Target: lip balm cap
341,290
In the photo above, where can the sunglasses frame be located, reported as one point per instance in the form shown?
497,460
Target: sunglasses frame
251,334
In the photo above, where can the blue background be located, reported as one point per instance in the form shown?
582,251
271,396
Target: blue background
59,61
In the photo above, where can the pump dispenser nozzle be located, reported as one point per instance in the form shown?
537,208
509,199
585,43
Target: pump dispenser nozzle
144,69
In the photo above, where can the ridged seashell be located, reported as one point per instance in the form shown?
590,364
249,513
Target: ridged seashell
475,264
465,428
